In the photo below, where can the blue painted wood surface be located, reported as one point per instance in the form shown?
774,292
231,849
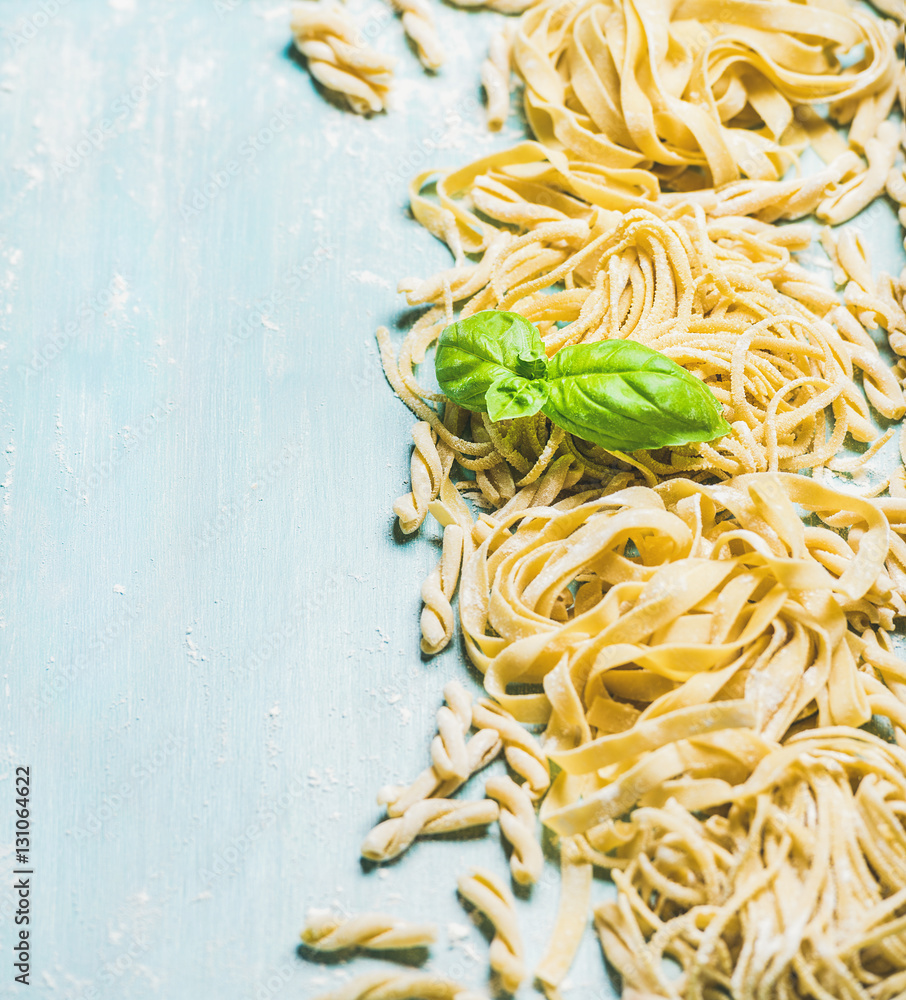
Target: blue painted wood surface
209,630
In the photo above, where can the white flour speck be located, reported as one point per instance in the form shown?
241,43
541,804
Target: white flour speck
370,278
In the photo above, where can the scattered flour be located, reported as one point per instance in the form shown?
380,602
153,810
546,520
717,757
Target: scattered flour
370,278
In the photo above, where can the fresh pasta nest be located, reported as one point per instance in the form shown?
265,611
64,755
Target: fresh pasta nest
654,614
795,890
723,301
723,87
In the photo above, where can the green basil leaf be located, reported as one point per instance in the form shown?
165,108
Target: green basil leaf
627,397
512,396
530,365
475,352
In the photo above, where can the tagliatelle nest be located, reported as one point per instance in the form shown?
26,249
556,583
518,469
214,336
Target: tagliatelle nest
712,84
713,605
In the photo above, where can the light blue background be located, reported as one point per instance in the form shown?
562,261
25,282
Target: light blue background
209,632
208,629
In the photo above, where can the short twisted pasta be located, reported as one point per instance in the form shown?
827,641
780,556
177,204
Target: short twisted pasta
418,23
495,78
488,894
518,826
501,6
337,57
449,756
481,749
326,931
438,590
452,758
522,751
394,985
428,469
850,197
431,816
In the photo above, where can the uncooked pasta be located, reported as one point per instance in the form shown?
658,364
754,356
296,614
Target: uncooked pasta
491,897
327,931
686,651
722,298
338,58
518,826
396,985
797,890
495,78
701,85
418,23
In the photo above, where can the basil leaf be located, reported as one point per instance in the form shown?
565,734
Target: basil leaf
511,396
627,397
475,352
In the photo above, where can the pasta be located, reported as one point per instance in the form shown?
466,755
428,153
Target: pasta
721,298
848,199
703,662
708,605
517,824
401,986
572,916
495,78
432,816
437,615
453,759
501,6
779,898
481,749
490,896
449,756
418,23
522,751
325,931
338,59
699,85
430,465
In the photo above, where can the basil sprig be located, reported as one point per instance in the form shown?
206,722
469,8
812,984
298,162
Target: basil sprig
616,393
